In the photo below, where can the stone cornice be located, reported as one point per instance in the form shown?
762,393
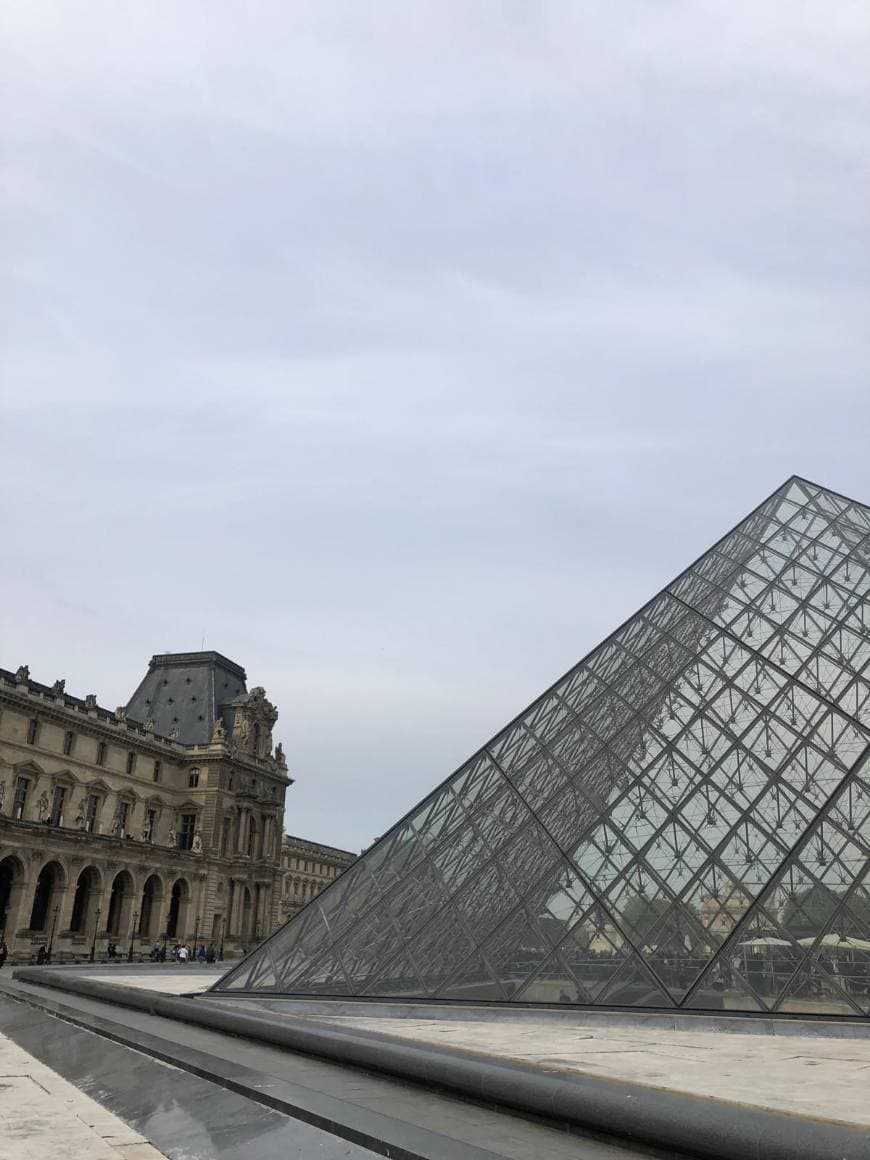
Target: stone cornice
290,843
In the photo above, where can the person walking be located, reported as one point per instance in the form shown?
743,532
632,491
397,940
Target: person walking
201,955
182,954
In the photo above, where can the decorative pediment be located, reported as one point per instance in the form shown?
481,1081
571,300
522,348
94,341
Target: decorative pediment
23,768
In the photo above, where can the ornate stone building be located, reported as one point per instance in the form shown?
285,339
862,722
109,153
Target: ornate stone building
160,818
308,868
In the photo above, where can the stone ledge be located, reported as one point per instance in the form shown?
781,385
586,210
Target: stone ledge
629,1111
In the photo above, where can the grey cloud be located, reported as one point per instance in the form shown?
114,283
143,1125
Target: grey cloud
406,349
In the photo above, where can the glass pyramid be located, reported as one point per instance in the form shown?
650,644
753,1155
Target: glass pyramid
683,820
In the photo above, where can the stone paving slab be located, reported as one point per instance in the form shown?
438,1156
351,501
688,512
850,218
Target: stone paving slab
169,981
43,1116
824,1078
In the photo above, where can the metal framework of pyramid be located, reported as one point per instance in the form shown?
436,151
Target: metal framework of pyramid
682,821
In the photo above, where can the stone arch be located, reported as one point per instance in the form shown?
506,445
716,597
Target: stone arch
149,905
89,888
179,904
120,903
12,880
49,887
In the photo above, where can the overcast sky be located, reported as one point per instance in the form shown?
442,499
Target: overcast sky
401,350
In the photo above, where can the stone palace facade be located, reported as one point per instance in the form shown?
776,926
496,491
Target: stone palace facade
161,819
308,867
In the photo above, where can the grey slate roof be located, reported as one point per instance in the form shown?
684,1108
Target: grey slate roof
319,848
188,692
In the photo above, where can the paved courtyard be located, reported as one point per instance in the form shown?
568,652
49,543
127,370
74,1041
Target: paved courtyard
169,980
42,1117
825,1078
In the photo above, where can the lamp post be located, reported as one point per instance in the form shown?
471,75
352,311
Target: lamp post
51,936
195,936
221,947
96,928
165,937
132,936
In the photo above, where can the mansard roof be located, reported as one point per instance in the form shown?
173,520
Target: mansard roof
187,693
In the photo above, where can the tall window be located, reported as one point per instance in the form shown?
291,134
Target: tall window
101,753
32,731
188,829
193,778
157,769
131,762
92,808
57,802
150,823
123,818
225,835
69,739
22,786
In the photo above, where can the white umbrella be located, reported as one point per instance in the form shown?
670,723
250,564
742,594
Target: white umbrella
767,942
838,941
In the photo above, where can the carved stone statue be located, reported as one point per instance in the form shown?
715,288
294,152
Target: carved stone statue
171,837
91,701
43,807
58,688
219,733
22,674
121,714
173,732
197,842
253,722
149,724
280,759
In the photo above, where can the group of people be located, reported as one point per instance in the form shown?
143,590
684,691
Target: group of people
182,953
